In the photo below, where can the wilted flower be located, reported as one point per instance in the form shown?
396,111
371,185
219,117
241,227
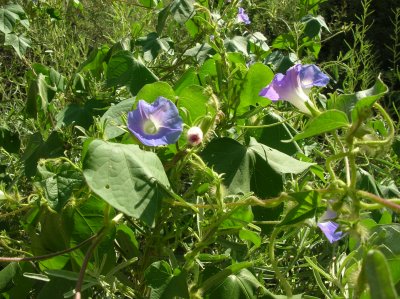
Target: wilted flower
295,86
243,17
155,124
329,227
194,136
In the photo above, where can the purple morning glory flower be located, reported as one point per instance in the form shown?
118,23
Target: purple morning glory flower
295,86
330,228
155,124
243,17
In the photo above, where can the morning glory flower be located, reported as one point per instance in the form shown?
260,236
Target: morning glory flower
295,86
329,227
155,124
243,17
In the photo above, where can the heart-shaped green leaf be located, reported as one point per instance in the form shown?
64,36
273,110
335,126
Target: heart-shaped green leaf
126,177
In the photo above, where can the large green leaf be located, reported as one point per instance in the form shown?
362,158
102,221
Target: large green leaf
153,44
19,42
59,180
241,164
378,276
231,158
257,77
182,10
7,275
279,161
150,92
166,283
162,19
77,115
37,148
281,62
52,238
313,25
40,93
189,77
44,82
195,100
9,15
308,204
388,242
358,103
95,60
128,178
325,122
115,117
22,286
125,70
127,242
272,136
237,44
200,52
238,285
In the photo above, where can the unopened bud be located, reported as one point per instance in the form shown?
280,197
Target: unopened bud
194,136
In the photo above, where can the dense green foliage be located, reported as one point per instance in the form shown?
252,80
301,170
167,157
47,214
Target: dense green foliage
88,211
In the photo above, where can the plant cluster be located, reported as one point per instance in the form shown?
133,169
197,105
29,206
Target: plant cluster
194,149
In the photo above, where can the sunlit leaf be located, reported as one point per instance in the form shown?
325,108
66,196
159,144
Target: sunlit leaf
19,42
358,103
257,77
327,121
59,180
182,10
115,117
307,206
126,177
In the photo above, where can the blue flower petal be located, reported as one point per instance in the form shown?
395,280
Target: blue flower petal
155,124
243,17
311,75
295,85
329,228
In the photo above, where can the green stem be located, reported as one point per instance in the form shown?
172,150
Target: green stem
282,280
48,256
329,161
392,204
346,159
391,130
266,126
79,282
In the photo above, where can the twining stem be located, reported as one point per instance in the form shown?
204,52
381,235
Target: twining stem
5,215
282,280
47,256
266,126
346,159
85,263
379,200
329,161
391,130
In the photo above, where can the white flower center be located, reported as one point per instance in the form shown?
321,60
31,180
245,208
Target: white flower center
150,127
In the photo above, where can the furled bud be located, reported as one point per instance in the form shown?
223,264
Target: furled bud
194,136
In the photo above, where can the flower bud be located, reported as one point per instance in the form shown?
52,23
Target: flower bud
194,136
